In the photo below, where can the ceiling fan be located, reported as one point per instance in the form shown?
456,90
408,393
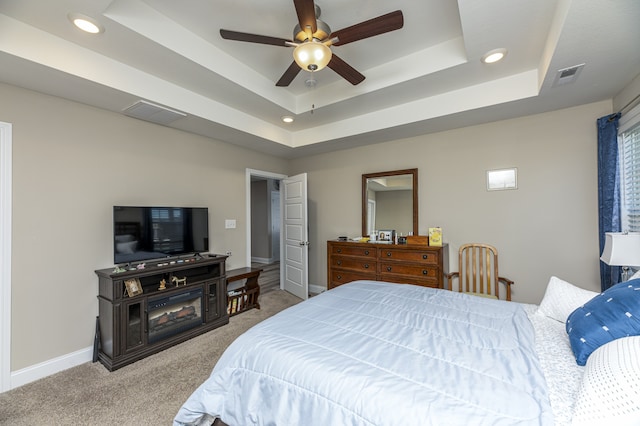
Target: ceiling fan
312,39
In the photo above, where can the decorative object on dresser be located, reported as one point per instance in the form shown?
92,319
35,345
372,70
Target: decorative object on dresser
418,239
386,235
478,271
135,324
435,237
245,297
411,264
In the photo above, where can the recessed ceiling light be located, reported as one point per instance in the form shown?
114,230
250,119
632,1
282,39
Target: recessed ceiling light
494,55
287,119
86,23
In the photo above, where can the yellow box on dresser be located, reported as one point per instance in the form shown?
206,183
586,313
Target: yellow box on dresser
435,237
402,263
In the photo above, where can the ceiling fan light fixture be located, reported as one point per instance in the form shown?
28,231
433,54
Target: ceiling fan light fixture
494,56
312,55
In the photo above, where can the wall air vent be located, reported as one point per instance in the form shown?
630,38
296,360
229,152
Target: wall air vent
147,111
567,75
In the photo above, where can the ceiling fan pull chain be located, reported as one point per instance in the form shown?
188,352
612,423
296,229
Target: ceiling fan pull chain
311,83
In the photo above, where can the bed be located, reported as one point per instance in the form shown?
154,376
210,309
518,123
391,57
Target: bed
375,353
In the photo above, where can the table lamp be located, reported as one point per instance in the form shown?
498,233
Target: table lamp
622,249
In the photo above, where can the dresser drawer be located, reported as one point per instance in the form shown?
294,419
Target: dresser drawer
406,279
422,256
423,271
354,250
342,277
358,264
408,263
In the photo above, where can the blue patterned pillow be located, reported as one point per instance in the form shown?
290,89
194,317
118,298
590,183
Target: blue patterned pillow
612,314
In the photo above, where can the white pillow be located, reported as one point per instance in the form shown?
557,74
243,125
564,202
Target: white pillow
610,390
126,248
124,238
562,298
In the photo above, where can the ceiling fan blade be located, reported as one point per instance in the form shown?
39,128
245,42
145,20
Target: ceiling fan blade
373,27
253,38
345,70
306,10
289,75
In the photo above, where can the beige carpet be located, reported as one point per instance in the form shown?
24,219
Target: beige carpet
149,391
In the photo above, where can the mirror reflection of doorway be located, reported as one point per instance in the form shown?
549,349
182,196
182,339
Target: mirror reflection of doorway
265,231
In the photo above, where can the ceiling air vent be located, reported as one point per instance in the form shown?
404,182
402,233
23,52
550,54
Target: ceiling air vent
155,113
567,75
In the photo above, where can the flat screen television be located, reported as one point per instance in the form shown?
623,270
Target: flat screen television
145,233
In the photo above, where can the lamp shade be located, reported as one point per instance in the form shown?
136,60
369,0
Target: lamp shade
312,55
621,249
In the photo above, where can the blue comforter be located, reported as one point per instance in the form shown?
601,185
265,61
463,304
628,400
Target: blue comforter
372,353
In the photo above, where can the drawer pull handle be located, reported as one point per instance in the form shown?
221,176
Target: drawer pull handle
388,254
339,250
366,252
366,266
339,277
339,262
425,272
424,256
388,268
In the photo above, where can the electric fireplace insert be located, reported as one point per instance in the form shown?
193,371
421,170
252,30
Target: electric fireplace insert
171,315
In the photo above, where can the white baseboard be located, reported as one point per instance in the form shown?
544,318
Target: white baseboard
47,368
260,260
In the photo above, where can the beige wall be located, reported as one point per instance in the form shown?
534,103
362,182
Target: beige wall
71,164
548,226
628,97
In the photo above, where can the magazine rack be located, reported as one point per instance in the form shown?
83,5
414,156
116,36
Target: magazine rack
245,297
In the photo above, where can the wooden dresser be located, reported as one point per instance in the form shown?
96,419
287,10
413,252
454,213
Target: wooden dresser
402,263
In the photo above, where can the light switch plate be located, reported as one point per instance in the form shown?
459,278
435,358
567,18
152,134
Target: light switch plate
230,223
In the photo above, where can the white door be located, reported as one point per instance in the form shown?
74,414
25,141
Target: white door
295,274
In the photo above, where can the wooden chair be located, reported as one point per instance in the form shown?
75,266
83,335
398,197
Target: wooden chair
478,272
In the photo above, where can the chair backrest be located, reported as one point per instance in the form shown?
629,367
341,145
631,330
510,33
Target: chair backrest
478,269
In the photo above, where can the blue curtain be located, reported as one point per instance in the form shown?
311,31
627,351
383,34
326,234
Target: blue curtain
608,191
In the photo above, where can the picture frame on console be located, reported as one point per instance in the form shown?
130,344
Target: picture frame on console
133,287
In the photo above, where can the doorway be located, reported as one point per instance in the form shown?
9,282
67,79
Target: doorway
294,245
264,222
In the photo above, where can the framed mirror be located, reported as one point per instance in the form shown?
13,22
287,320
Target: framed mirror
390,201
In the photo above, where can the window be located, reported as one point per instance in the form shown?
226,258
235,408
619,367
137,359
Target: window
629,154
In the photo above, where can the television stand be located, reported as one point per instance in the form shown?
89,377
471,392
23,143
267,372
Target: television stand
144,311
